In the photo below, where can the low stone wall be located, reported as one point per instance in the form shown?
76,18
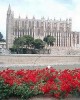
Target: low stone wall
38,59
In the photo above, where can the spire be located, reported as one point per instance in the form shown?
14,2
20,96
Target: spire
9,9
48,18
54,18
70,19
9,6
19,16
26,17
33,17
43,17
60,19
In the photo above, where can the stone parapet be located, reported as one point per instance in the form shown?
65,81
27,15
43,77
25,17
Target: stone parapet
38,59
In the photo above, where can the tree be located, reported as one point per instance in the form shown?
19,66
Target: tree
28,40
19,43
1,36
49,40
23,42
16,44
38,44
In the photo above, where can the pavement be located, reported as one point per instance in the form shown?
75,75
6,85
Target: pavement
42,98
25,66
46,98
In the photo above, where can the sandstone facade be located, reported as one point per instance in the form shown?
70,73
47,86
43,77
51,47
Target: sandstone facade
39,28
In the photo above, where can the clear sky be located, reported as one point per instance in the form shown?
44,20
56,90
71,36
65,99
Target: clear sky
48,8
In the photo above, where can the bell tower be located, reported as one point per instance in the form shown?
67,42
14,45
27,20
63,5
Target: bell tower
9,27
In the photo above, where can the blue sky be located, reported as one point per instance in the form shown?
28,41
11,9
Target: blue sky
48,8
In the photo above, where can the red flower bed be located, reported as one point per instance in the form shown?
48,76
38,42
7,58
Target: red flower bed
58,84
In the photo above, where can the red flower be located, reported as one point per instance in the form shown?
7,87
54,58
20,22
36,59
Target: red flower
57,95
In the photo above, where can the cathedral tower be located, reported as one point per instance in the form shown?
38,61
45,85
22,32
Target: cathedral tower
9,28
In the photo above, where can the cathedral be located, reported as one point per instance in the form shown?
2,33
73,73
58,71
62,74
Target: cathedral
40,28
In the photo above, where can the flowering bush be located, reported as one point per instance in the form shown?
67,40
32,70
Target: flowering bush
27,83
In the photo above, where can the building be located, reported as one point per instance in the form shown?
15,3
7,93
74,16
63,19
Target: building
39,28
2,44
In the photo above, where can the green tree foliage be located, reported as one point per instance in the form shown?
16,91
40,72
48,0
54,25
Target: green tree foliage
28,40
38,43
23,42
49,40
16,44
1,37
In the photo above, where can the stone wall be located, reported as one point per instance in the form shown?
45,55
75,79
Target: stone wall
38,59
